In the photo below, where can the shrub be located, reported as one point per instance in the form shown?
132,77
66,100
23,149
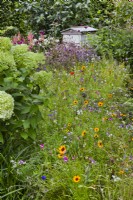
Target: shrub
17,66
118,42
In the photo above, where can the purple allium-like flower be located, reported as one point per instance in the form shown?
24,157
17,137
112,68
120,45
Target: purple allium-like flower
43,178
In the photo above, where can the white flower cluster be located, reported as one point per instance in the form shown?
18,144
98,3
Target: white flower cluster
6,105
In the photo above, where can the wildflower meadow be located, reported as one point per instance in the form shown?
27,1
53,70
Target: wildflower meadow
66,111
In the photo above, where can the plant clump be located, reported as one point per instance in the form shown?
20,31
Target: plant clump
63,56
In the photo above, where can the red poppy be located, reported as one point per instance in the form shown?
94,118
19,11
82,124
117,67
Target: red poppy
71,73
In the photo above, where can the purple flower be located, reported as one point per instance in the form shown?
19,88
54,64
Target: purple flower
65,158
43,178
41,146
41,32
21,162
92,160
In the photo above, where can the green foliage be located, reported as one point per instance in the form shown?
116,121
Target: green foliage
42,79
53,16
17,65
118,42
122,15
5,44
26,59
9,31
101,12
6,61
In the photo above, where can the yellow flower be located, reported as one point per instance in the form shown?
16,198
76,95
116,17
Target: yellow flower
76,179
69,124
67,130
104,118
114,115
96,129
100,103
96,135
122,115
86,102
100,144
83,68
75,102
62,150
83,133
82,89
121,172
110,95
60,155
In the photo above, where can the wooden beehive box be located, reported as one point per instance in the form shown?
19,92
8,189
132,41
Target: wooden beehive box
77,34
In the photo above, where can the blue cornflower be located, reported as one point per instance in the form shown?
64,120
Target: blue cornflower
43,177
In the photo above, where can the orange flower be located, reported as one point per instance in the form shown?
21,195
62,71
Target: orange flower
76,179
62,150
100,103
96,129
100,144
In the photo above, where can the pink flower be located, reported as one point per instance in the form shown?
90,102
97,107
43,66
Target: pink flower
41,146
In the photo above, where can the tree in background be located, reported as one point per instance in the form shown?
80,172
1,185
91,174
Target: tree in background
53,16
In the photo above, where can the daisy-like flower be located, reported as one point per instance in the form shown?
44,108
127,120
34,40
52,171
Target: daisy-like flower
82,89
83,133
104,119
110,96
69,124
75,102
121,172
100,103
100,144
62,149
60,155
96,135
76,179
114,115
83,68
96,129
86,102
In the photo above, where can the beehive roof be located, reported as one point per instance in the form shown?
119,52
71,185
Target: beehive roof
79,29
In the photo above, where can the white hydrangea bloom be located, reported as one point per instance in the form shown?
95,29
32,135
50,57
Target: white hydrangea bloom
6,105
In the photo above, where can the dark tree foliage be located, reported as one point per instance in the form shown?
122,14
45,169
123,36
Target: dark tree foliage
54,15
